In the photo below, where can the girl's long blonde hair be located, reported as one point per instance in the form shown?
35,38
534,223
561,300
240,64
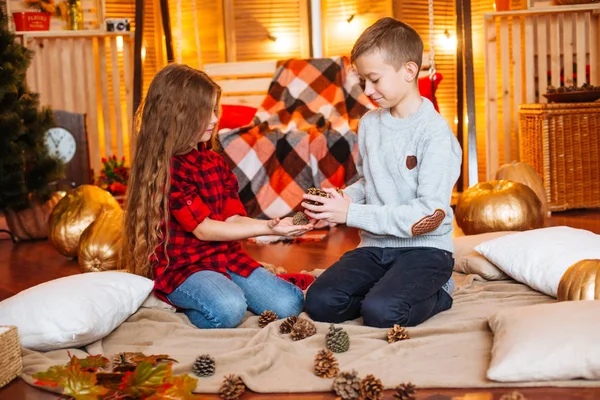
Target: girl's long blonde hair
176,111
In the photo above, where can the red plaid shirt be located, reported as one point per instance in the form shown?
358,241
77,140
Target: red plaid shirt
202,185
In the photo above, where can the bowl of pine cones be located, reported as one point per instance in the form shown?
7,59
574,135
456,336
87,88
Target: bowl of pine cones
573,94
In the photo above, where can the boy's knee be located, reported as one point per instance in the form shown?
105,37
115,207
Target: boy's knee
318,304
376,312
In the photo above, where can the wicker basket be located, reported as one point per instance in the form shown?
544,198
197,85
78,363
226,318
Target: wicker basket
561,142
10,355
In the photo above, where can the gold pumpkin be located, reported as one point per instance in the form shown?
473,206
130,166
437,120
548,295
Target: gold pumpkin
523,173
581,281
75,212
99,243
498,206
32,222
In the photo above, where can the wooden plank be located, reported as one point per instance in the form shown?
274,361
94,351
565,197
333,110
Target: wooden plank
529,61
245,85
53,77
109,149
506,90
252,101
581,45
68,69
594,49
241,69
517,76
568,47
547,10
128,80
542,53
491,88
555,50
304,36
229,24
82,103
117,101
95,134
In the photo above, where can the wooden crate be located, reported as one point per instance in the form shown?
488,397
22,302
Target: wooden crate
560,141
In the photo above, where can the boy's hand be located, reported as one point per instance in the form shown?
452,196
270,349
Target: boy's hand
286,227
334,209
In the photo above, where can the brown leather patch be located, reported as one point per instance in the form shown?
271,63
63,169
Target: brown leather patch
428,223
411,162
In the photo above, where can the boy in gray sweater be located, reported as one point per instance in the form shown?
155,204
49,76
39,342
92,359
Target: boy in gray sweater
409,162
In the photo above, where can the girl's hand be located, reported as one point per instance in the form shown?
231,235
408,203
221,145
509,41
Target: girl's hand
333,209
286,227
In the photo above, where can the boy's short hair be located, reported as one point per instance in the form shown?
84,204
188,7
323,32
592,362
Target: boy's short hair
398,42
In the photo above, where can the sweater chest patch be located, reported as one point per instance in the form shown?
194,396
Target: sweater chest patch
411,162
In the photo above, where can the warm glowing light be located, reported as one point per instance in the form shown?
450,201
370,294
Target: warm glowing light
447,41
350,19
455,120
282,43
119,43
143,53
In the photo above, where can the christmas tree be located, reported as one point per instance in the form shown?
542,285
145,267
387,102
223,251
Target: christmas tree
25,165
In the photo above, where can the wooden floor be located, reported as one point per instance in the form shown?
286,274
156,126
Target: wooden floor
27,264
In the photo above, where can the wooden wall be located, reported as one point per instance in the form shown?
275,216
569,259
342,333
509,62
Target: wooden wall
87,73
344,21
523,49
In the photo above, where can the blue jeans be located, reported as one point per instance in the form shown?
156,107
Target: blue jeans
385,286
210,300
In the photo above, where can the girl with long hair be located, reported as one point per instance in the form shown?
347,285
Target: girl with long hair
183,215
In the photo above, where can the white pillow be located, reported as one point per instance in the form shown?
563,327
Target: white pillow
75,310
540,257
555,341
467,261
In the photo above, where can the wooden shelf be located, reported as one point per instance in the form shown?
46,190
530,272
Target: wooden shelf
67,34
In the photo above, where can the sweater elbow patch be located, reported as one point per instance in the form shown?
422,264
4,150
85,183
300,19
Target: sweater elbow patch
428,223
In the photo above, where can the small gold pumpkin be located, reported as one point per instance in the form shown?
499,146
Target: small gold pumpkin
523,173
580,282
75,212
32,222
498,206
100,242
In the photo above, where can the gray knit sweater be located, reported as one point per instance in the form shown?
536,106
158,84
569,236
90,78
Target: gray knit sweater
407,169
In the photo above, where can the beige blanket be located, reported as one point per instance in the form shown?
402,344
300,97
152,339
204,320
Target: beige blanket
450,350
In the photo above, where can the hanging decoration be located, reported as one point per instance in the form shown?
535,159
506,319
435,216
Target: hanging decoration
432,69
179,30
197,35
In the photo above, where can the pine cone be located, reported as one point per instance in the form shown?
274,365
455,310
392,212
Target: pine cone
302,329
300,218
266,318
347,385
371,388
397,333
326,366
405,391
232,387
204,366
287,325
513,396
316,192
123,362
338,340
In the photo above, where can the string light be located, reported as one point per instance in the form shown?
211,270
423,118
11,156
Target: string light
350,18
272,38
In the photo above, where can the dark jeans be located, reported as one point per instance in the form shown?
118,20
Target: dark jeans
385,286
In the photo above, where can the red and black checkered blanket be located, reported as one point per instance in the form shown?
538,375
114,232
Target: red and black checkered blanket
303,135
